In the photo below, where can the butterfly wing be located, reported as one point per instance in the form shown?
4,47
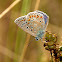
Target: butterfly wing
46,17
36,24
23,24
33,23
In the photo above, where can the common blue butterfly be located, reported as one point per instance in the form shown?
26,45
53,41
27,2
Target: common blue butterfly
34,23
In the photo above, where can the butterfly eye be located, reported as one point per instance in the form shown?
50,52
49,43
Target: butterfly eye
37,38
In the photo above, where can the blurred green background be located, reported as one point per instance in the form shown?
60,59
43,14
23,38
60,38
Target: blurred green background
12,38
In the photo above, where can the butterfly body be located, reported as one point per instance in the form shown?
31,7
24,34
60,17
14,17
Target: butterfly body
33,23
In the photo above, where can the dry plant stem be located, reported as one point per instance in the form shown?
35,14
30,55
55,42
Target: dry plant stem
4,50
9,8
28,36
37,4
8,53
56,58
51,56
25,48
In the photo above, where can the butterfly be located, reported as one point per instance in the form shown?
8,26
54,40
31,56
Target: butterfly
34,23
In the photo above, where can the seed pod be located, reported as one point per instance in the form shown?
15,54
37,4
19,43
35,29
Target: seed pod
46,47
60,48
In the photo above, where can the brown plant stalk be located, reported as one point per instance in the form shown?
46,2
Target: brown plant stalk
28,37
9,8
8,53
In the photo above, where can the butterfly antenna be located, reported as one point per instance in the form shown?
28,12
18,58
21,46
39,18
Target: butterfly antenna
29,43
